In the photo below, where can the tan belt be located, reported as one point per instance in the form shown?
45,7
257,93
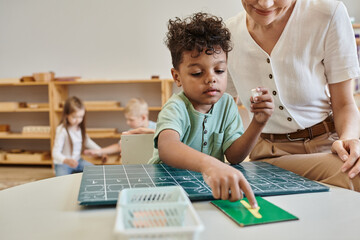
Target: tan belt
308,133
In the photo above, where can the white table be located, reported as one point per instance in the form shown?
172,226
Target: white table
48,209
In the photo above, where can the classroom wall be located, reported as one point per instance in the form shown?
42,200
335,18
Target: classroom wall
113,39
353,7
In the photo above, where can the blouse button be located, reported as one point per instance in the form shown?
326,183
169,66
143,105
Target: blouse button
289,119
205,143
268,60
205,120
270,76
281,107
274,93
205,131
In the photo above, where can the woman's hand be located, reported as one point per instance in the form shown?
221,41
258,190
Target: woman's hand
262,106
346,118
349,152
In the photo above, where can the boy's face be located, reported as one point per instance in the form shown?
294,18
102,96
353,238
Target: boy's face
135,121
203,78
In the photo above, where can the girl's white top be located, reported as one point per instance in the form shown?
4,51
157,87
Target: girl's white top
62,147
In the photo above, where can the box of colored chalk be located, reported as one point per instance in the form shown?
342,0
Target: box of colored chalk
156,213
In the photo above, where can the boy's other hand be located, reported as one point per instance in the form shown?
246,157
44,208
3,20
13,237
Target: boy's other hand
262,106
71,162
223,178
141,130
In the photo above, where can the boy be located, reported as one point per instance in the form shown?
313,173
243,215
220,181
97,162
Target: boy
137,117
199,125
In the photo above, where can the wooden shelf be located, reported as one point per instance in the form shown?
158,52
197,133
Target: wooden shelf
104,81
109,109
356,25
23,83
58,91
44,162
27,110
24,136
357,41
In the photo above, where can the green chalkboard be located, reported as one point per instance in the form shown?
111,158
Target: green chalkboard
101,184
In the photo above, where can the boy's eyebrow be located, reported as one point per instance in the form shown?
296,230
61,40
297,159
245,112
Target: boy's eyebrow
197,64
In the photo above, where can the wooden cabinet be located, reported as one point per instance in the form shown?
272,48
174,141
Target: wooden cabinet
155,91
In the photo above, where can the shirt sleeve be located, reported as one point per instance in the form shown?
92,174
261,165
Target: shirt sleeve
169,118
90,144
59,142
340,60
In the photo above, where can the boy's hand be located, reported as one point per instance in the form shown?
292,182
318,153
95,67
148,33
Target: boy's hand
262,106
223,178
71,162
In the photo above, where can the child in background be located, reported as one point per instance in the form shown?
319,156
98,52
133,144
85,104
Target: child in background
197,126
137,117
71,139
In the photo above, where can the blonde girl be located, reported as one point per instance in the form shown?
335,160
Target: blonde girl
71,139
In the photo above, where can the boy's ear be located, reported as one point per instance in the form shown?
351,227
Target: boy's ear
176,76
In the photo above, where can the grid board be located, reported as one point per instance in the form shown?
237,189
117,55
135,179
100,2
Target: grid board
100,185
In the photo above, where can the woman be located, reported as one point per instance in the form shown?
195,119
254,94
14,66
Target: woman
304,51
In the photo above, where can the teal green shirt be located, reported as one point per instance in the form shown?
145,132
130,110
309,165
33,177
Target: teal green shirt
211,133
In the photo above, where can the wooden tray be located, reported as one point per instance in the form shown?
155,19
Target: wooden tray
66,79
9,106
36,129
33,105
44,76
4,127
27,79
27,156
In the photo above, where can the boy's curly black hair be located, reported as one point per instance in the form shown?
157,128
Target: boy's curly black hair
201,31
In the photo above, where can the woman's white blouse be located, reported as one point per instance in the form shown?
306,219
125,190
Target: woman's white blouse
316,48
